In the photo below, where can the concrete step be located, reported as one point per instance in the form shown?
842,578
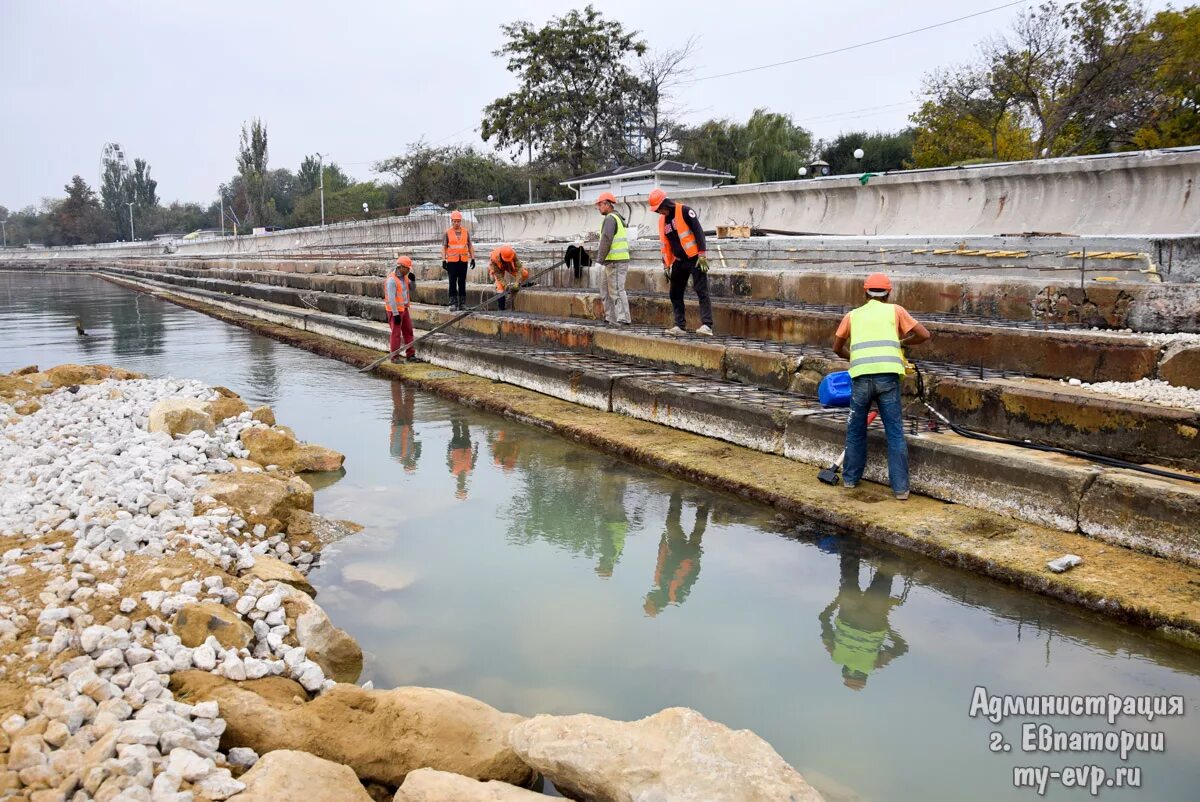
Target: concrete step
1118,506
991,401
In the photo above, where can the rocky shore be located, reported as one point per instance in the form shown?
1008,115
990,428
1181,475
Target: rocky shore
159,640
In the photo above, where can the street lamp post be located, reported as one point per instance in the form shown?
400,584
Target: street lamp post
321,171
4,230
130,205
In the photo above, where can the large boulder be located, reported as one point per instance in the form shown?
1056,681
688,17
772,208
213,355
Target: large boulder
431,785
180,416
333,649
276,447
676,755
270,569
1181,366
260,498
304,524
224,407
287,774
195,622
382,735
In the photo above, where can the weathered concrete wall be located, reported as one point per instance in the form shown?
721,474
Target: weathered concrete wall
1149,194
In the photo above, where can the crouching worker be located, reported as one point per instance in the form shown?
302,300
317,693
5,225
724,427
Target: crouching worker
507,271
397,295
876,333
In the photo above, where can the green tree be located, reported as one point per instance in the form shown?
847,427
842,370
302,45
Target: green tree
451,175
769,147
573,80
881,152
79,219
252,166
341,204
1175,117
308,177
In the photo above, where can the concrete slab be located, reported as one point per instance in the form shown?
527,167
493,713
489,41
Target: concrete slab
1157,516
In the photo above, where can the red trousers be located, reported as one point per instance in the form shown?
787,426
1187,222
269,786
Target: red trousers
401,326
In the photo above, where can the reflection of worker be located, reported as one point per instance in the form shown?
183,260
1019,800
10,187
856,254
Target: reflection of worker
678,558
857,636
504,451
461,455
404,445
615,525
507,271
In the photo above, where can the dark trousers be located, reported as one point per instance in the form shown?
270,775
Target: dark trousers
681,271
458,279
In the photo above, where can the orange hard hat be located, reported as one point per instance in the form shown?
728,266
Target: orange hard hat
877,281
507,253
606,196
657,196
456,215
404,260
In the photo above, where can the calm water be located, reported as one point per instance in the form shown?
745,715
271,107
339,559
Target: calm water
508,564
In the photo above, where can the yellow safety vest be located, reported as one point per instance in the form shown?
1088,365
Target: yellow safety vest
875,340
856,649
619,250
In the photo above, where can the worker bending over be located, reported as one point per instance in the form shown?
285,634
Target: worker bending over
457,252
876,333
682,239
507,271
397,297
613,256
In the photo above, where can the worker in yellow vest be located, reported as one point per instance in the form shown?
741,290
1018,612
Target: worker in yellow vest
682,239
876,333
457,252
613,256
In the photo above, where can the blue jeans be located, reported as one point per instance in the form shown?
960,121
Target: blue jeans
884,390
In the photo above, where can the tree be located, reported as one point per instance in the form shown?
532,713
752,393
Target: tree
308,177
79,219
881,152
1175,118
658,129
450,175
573,81
252,166
769,147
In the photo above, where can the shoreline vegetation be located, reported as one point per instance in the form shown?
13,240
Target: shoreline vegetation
159,640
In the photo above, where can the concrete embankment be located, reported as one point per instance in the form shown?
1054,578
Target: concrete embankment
158,634
1137,587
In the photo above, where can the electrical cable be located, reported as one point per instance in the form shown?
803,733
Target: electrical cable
856,46
1111,462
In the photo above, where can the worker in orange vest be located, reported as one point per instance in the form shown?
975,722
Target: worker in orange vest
682,239
507,271
457,252
403,443
397,297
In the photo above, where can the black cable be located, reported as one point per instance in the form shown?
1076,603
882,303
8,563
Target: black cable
1111,462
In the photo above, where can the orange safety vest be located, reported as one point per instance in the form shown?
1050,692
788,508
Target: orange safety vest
457,246
396,293
687,240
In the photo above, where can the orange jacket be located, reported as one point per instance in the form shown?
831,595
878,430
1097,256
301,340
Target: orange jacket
458,247
687,240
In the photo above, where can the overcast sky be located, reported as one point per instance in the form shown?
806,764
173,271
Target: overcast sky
172,82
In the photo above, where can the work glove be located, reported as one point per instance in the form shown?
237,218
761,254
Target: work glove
445,265
472,264
702,263
667,269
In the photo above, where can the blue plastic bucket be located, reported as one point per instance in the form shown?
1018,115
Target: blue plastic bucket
834,390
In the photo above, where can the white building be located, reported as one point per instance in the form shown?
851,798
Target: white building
671,176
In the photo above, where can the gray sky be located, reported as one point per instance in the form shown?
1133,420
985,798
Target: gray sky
172,82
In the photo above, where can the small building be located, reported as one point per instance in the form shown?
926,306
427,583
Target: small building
426,209
671,176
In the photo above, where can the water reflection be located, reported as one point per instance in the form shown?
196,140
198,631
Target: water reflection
461,455
403,442
854,627
678,565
